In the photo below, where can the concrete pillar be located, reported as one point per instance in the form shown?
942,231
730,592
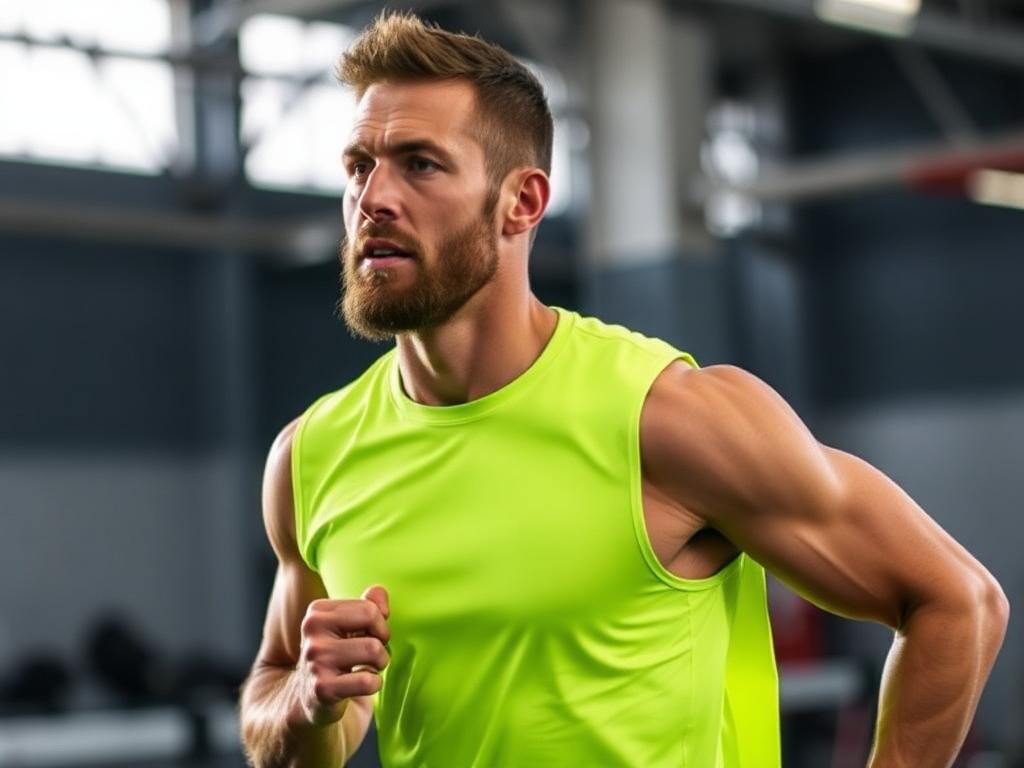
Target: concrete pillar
233,525
647,75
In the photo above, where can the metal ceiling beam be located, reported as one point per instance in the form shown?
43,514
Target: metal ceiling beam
305,240
942,103
927,167
1000,44
285,242
224,19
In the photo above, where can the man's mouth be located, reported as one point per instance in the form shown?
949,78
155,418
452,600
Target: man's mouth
378,253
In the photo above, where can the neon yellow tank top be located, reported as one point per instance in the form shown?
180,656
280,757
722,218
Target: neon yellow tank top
531,622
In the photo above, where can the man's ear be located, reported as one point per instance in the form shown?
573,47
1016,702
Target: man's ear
524,199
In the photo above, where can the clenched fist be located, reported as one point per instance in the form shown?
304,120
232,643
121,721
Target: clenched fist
342,652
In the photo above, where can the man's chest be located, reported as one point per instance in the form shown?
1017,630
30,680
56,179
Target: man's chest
527,535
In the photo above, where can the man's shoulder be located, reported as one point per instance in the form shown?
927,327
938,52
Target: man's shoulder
718,392
615,333
720,421
609,341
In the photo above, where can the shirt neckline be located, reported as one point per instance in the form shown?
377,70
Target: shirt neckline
475,409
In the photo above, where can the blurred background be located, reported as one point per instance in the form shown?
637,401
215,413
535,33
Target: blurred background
825,192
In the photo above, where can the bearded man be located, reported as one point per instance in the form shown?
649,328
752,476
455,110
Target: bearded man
526,538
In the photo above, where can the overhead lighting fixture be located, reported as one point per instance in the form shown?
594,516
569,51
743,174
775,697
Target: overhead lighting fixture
889,17
993,187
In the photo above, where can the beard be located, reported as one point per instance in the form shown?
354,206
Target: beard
375,307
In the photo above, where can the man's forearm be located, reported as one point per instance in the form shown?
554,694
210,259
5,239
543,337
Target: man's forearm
933,678
269,732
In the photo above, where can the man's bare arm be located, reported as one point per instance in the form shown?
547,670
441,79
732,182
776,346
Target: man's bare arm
276,700
726,448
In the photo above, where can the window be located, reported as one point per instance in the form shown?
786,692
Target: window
295,117
730,158
63,104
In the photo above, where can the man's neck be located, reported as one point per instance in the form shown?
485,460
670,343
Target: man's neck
486,345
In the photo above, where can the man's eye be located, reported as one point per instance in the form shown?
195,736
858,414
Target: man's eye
423,164
359,169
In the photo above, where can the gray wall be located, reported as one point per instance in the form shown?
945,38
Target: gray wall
141,535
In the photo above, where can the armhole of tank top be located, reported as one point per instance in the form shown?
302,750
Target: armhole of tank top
301,538
637,502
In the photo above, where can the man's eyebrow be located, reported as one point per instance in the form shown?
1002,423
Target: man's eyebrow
357,149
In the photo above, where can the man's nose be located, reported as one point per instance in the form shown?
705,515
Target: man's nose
379,199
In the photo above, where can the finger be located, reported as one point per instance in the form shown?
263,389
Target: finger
346,654
347,685
346,618
362,652
379,596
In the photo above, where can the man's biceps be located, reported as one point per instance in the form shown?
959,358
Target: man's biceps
861,586
900,530
876,553
845,564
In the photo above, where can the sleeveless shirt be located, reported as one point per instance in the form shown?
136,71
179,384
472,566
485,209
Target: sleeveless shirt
532,625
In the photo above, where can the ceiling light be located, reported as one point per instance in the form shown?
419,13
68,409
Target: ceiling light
993,187
890,17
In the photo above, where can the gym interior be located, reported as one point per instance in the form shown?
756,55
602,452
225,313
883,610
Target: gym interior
827,193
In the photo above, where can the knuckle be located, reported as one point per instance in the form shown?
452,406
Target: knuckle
367,683
309,624
322,691
367,610
314,650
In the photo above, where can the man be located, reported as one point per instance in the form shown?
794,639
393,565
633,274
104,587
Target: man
526,538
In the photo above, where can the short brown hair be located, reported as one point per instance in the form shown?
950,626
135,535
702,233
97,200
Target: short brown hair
514,126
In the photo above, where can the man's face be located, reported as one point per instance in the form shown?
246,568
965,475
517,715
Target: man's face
421,236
